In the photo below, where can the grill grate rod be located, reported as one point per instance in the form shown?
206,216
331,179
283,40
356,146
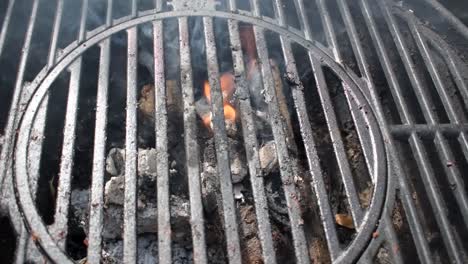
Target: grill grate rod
55,34
162,166
330,34
99,161
251,143
13,112
453,114
416,144
408,203
191,146
454,65
427,130
131,151
6,24
221,144
333,42
60,225
317,184
426,103
286,166
338,146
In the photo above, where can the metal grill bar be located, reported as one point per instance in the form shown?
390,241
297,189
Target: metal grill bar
436,77
99,160
22,243
162,166
134,11
453,114
286,166
453,64
461,28
337,54
82,32
55,34
221,143
158,5
110,5
25,243
426,104
391,238
317,183
6,24
335,135
60,226
428,130
131,151
416,144
333,42
251,144
13,113
191,146
408,203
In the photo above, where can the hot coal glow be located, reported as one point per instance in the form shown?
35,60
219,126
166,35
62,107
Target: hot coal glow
227,88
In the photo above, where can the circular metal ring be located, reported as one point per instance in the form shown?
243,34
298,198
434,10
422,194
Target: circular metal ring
46,77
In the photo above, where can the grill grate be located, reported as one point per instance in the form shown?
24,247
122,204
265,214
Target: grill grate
398,91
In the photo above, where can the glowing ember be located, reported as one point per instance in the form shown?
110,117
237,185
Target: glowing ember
227,88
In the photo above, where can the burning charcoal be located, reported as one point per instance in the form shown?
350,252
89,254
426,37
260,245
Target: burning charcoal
146,102
112,252
115,162
114,190
210,189
147,162
276,200
239,168
147,219
204,111
268,158
79,203
251,247
203,105
174,97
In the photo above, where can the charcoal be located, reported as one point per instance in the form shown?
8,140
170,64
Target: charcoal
147,219
115,162
112,252
268,158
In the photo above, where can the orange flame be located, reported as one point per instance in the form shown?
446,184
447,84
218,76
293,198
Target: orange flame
227,88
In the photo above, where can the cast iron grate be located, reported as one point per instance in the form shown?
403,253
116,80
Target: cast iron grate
171,110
